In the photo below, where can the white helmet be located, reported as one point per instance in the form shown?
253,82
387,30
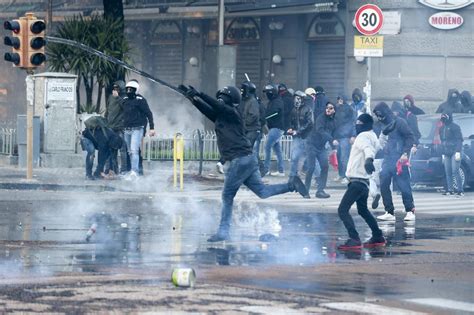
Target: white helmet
310,91
133,84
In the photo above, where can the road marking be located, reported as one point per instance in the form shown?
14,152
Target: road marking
445,303
368,308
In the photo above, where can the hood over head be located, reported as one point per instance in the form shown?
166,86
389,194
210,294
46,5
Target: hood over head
397,107
453,96
357,95
466,99
383,112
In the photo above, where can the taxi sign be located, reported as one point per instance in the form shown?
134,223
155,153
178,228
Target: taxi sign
368,46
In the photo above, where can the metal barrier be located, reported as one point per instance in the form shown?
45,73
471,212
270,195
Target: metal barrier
8,141
199,146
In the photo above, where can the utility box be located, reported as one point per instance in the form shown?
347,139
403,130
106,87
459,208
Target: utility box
21,132
55,103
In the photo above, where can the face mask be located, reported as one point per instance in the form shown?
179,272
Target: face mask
297,101
225,99
131,93
356,99
407,103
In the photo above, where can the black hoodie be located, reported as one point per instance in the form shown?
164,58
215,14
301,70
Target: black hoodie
466,101
452,103
411,119
451,136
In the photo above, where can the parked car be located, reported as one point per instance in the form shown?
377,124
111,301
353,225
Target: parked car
427,166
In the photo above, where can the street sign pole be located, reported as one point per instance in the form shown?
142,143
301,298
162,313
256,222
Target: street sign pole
30,94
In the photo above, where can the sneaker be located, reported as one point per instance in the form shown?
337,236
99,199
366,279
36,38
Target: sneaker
448,193
218,237
337,178
350,244
386,217
220,168
344,181
322,194
410,216
375,242
90,177
295,184
279,174
131,176
460,194
375,202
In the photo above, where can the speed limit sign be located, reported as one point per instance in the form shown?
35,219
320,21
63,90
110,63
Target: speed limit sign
369,19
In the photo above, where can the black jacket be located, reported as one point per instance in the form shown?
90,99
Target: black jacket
452,104
451,137
275,107
136,113
228,124
287,108
250,110
345,122
466,101
323,131
302,120
320,105
409,117
400,140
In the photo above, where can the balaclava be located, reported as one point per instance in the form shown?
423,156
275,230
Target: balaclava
365,122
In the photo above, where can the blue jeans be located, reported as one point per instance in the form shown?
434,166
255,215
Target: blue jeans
244,170
273,141
256,145
451,169
343,151
315,155
298,151
133,138
389,171
89,148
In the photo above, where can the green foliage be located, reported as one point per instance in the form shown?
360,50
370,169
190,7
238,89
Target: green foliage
97,32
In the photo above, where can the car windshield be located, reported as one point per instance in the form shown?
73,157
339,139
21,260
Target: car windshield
467,126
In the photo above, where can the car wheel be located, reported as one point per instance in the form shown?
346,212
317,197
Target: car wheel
463,174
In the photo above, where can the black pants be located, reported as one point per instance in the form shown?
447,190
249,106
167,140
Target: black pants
389,172
357,192
313,154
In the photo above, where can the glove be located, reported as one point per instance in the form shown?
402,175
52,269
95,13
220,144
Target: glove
457,156
369,166
191,92
389,128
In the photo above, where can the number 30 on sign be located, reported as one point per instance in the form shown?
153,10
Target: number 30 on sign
369,19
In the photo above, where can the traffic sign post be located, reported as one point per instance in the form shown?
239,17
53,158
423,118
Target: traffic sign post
368,20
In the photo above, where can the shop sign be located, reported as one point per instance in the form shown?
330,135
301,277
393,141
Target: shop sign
445,20
446,5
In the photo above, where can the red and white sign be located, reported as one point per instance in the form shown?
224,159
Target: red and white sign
446,20
369,19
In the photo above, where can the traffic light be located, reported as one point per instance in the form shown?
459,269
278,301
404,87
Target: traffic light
36,42
17,41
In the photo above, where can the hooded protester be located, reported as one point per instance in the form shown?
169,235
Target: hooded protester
287,98
395,165
300,127
276,126
344,134
409,104
466,101
358,103
410,118
321,134
136,115
250,110
320,100
114,116
452,104
451,144
359,168
234,148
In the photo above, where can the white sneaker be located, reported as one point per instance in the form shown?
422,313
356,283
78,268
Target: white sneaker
344,181
410,216
131,176
386,217
220,168
277,174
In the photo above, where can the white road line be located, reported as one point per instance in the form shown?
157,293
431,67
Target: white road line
445,303
367,308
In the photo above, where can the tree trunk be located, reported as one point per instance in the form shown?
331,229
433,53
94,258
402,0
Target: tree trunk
99,96
78,95
88,84
113,9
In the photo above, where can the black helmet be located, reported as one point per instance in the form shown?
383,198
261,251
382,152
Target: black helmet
233,95
271,90
248,88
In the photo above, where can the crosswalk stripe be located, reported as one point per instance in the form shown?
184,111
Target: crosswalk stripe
368,308
445,303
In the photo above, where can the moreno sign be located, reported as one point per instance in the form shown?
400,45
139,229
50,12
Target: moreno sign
368,19
446,20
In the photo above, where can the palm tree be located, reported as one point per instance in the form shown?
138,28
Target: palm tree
97,32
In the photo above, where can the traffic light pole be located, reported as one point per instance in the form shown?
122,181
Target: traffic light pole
30,97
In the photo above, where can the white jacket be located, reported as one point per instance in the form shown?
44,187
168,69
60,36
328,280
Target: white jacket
365,146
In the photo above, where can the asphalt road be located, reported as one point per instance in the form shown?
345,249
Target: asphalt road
282,258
